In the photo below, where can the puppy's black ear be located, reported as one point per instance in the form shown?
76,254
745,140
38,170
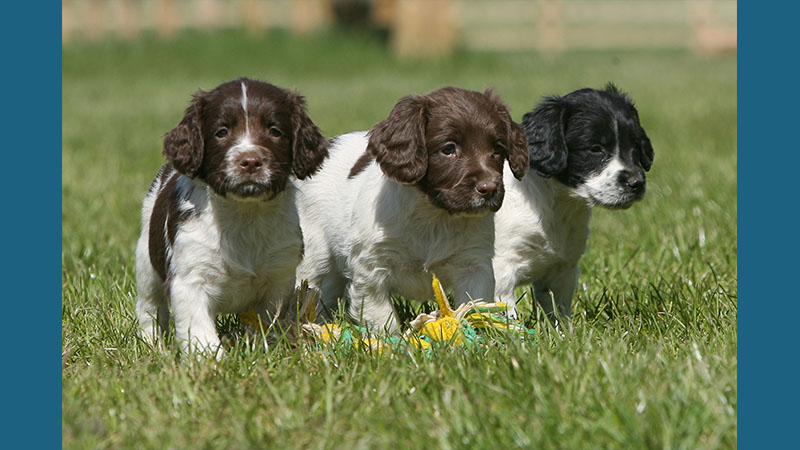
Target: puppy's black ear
398,142
309,146
544,131
183,145
646,153
518,158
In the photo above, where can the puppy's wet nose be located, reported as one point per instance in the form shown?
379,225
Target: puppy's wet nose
486,188
633,180
637,184
250,163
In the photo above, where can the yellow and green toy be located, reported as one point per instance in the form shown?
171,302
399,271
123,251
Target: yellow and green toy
468,325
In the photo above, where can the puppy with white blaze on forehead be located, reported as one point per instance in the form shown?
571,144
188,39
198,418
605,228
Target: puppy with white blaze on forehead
220,231
586,148
414,195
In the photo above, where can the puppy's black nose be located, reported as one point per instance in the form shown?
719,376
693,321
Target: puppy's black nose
250,163
634,180
486,188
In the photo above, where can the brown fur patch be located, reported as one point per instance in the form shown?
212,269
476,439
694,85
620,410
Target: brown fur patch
362,163
158,223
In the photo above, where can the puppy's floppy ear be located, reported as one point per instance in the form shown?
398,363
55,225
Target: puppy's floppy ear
518,158
398,142
646,153
309,146
645,147
183,145
544,130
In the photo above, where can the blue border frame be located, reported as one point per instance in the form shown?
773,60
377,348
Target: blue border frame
768,248
31,168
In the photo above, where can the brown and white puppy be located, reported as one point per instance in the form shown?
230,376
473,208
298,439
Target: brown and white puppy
414,195
220,231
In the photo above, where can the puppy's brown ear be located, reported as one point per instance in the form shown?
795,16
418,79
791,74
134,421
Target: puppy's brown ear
518,158
183,145
544,131
398,142
309,146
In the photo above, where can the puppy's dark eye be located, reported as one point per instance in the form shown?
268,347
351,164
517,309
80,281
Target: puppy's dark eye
499,150
221,133
274,132
596,149
449,149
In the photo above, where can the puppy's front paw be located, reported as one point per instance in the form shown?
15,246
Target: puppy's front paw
203,347
511,313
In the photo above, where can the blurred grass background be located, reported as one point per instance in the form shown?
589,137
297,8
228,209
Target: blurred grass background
650,363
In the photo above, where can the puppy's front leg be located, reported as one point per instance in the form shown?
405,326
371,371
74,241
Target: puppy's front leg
541,293
559,306
195,320
318,268
475,282
504,292
152,311
152,305
563,286
153,315
372,307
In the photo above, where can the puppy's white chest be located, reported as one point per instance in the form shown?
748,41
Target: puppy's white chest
539,231
261,268
410,255
239,259
270,281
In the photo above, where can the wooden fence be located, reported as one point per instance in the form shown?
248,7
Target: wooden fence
433,26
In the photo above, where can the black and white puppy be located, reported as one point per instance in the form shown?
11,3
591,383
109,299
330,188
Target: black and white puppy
412,196
220,230
586,148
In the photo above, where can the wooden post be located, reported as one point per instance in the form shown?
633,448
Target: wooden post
206,14
95,20
424,27
127,18
165,18
708,36
384,12
253,16
66,21
550,29
308,15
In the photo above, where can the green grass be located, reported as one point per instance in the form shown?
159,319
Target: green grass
649,363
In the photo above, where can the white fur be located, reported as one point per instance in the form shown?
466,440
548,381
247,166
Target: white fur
231,160
541,234
228,256
604,187
368,238
244,107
